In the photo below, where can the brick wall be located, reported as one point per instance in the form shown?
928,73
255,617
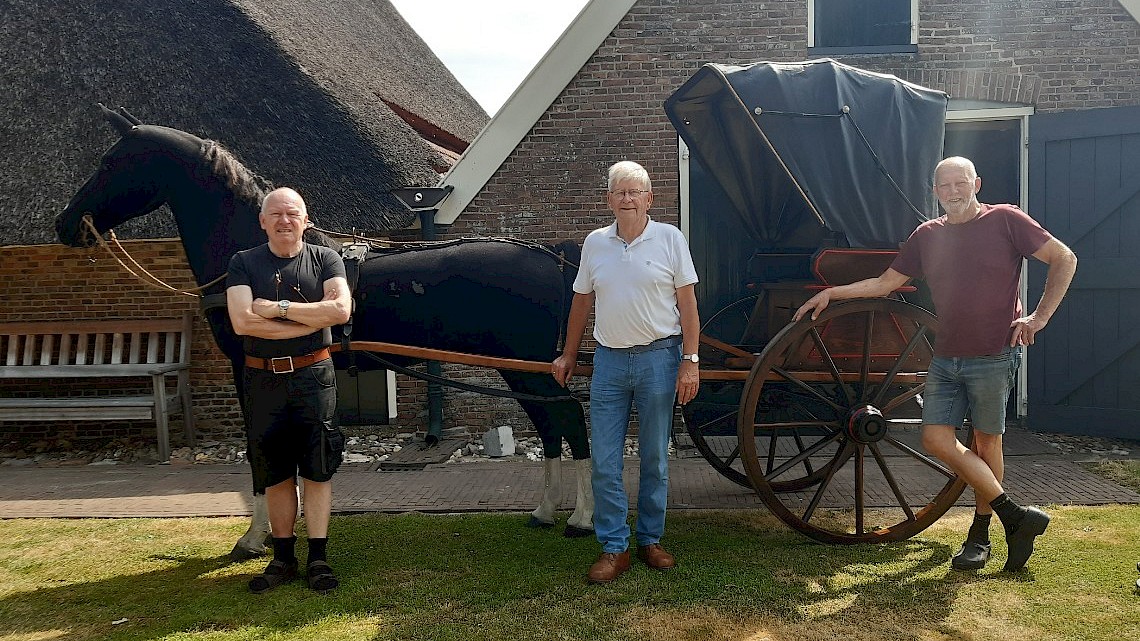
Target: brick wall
52,282
1055,54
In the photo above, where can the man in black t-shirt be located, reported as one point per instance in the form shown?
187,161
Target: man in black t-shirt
283,297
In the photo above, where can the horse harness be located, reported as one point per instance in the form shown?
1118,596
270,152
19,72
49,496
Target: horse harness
353,255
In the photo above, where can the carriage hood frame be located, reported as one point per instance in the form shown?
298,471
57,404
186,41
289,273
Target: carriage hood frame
852,149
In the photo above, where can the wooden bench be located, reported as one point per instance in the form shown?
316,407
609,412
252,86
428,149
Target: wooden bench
154,349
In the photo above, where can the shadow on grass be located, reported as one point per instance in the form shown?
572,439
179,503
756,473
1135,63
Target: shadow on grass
487,577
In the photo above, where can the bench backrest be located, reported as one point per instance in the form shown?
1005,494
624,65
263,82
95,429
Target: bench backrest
93,348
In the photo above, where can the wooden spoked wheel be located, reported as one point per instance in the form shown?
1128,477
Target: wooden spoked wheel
846,390
730,340
710,418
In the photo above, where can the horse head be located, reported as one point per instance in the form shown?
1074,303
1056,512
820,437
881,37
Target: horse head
213,197
128,181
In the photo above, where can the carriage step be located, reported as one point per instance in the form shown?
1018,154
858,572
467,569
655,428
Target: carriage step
417,456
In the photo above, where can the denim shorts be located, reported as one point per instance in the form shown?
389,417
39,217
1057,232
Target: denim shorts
978,386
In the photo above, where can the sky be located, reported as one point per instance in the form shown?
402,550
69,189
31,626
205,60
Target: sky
489,45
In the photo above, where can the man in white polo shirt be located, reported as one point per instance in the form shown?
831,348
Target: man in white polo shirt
639,277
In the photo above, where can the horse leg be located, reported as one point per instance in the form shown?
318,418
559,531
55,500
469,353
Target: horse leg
581,522
543,515
252,543
555,420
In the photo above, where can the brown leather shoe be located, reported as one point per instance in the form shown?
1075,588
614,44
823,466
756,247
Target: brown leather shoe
609,566
656,557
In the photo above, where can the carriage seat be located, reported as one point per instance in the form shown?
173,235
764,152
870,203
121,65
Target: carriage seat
34,356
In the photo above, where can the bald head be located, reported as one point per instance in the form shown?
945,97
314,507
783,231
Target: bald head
283,196
956,162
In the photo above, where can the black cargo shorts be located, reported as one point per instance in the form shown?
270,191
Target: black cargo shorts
291,424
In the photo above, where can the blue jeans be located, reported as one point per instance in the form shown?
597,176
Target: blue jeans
979,385
620,379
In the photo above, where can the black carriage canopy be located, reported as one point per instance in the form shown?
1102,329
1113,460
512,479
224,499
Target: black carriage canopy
851,149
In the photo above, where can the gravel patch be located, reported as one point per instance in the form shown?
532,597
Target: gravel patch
367,449
1090,448
372,448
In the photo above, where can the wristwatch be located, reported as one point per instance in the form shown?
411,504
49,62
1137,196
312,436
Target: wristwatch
691,357
283,305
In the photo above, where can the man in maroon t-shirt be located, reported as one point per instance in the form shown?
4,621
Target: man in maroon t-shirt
971,259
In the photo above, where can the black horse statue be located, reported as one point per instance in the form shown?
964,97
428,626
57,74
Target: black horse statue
488,296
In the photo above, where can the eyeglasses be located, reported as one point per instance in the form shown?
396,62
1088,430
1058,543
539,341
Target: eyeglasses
297,288
632,193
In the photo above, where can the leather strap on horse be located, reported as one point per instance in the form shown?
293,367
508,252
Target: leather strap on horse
353,256
397,246
212,301
146,277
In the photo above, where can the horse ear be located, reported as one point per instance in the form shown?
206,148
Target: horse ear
129,116
120,123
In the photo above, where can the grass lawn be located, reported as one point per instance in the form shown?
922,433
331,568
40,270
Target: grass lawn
742,576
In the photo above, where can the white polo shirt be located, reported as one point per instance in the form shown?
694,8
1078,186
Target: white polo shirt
635,285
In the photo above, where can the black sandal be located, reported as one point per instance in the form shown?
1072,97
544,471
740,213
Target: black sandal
275,574
321,577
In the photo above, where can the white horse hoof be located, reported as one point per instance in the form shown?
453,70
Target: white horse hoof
242,553
575,532
535,522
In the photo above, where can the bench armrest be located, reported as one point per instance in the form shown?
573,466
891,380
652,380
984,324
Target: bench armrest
166,369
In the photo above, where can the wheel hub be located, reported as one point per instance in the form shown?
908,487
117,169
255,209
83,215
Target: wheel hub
865,424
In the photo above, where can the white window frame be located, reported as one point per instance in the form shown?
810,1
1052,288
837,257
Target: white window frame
683,186
811,24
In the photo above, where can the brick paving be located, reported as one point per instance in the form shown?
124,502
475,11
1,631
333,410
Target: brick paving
1035,474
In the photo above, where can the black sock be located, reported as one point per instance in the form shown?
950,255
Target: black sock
980,529
317,549
283,549
1009,512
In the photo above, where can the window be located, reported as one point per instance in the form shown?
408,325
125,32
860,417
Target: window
862,26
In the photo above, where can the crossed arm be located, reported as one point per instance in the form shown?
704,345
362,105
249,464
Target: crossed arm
261,317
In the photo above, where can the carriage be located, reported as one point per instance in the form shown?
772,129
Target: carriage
806,176
803,176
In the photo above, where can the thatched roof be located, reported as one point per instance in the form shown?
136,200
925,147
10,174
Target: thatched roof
317,95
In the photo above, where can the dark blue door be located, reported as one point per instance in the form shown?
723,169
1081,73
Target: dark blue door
1084,186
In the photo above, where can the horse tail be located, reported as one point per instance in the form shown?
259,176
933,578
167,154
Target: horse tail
571,255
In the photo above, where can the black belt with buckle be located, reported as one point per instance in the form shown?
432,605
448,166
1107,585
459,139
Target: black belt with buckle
660,343
287,364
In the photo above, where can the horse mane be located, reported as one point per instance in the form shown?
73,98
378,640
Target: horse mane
246,185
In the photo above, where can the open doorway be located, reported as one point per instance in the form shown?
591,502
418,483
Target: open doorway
995,147
995,139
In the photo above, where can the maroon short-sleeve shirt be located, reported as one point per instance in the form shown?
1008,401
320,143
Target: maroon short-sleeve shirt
973,270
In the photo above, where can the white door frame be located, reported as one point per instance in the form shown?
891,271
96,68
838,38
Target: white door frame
1022,114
